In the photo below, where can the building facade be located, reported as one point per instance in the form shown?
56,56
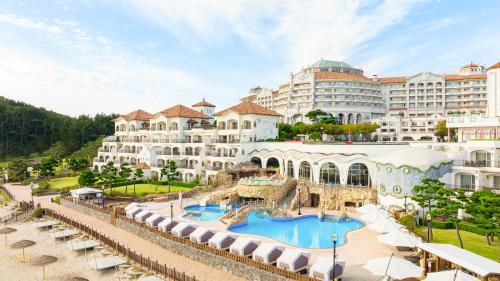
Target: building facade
334,87
187,136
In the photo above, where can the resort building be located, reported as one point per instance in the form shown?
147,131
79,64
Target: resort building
417,103
188,136
334,87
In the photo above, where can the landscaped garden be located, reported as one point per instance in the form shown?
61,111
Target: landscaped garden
473,242
144,189
65,182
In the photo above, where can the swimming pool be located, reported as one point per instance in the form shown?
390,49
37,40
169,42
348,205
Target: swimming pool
210,212
305,232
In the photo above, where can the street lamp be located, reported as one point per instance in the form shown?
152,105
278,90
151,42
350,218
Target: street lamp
299,202
429,225
31,191
406,195
171,210
334,239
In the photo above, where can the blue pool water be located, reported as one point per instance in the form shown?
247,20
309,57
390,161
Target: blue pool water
304,232
210,212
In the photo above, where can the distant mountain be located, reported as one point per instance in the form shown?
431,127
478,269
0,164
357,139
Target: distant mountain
26,129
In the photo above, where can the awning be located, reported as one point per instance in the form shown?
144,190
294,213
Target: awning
480,265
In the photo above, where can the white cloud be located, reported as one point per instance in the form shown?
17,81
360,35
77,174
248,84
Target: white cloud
28,23
304,30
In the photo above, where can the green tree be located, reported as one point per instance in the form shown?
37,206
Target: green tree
448,203
77,165
328,120
58,150
440,130
484,210
315,115
47,167
125,172
138,173
108,175
18,170
170,172
426,194
315,136
87,178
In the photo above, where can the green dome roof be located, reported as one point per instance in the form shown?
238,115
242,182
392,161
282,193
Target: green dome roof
331,63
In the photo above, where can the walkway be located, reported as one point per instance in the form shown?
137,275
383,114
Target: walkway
135,243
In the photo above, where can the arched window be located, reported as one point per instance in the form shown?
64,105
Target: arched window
358,175
305,170
174,126
221,125
290,172
247,125
256,161
330,173
272,163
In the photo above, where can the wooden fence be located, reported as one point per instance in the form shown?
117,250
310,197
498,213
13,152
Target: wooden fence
147,263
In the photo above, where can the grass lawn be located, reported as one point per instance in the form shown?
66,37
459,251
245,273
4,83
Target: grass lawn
144,189
58,183
472,242
3,197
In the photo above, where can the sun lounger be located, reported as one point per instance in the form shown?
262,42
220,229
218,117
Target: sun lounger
133,211
375,216
201,235
183,229
133,205
82,245
150,278
155,219
244,246
322,268
105,263
221,240
293,260
142,216
167,224
45,224
63,234
267,253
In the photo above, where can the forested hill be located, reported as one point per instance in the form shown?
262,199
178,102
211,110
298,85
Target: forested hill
26,129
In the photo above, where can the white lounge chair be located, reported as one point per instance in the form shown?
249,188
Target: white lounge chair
45,224
82,245
132,212
183,229
105,263
63,234
375,216
201,235
143,215
268,253
167,224
244,246
293,260
155,219
221,240
322,268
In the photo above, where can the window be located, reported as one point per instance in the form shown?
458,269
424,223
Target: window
305,170
330,173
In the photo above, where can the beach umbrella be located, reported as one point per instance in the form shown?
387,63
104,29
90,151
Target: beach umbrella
21,245
368,208
76,279
43,261
399,239
385,225
375,216
6,230
394,267
450,275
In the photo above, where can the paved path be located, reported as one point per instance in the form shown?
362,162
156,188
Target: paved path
135,243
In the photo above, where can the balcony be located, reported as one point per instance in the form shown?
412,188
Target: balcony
163,153
181,140
127,151
209,168
472,163
101,149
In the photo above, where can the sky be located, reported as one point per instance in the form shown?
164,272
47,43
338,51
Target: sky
102,56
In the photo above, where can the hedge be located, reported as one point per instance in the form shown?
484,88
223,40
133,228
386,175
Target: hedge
462,226
174,183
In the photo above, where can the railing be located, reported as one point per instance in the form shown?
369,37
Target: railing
472,163
162,269
213,168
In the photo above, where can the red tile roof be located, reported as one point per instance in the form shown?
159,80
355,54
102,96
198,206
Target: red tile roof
464,77
182,111
340,76
203,103
142,165
388,80
471,65
496,65
248,98
139,114
247,107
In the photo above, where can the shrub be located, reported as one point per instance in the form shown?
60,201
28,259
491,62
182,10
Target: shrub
38,212
408,221
57,200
